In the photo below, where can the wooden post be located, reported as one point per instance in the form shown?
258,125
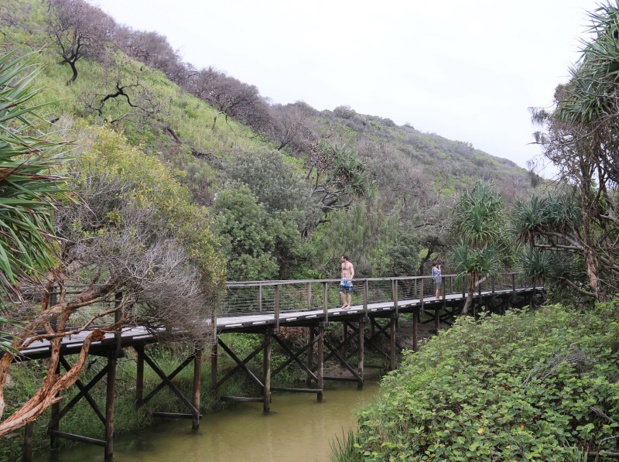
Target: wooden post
197,370
325,297
321,360
392,354
276,301
214,367
118,298
366,284
437,319
395,294
416,316
54,425
139,379
444,293
109,405
27,448
360,367
310,355
266,366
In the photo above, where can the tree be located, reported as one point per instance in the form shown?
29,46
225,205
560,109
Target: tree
152,49
123,95
580,138
231,98
245,227
294,127
375,241
286,188
337,176
80,31
131,231
549,228
478,224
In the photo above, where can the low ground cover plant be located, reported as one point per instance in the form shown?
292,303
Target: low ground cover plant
535,386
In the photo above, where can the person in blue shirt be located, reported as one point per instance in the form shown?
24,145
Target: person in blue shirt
348,272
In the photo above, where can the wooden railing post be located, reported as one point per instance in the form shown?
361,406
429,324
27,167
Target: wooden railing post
394,294
276,301
444,292
325,297
514,282
260,298
309,295
421,296
365,297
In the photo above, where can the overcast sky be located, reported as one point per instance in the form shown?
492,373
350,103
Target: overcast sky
465,70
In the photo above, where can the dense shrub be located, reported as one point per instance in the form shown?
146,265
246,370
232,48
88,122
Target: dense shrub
535,386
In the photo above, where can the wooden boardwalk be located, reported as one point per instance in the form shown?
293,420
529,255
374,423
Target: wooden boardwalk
267,308
132,336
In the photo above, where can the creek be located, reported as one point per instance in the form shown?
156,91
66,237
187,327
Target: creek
298,429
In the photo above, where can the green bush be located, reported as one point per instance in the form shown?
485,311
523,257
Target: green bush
535,386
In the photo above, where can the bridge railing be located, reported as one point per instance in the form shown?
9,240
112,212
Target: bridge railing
256,297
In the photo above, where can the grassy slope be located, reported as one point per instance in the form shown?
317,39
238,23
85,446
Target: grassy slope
453,165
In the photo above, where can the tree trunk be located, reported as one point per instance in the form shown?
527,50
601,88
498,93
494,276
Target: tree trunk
470,294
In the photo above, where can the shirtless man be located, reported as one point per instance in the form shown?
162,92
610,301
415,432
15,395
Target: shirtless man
348,272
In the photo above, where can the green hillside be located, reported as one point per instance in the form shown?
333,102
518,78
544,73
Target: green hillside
292,172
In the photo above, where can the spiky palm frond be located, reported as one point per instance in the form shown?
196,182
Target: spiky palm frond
28,185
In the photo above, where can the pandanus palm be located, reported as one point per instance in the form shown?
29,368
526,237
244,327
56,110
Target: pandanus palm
479,222
27,183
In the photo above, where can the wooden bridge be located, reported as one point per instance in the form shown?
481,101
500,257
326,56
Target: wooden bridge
268,308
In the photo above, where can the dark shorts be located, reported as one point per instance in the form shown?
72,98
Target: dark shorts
346,289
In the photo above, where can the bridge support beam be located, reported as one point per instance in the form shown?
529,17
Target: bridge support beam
393,352
416,316
310,354
110,395
361,352
320,371
197,382
266,367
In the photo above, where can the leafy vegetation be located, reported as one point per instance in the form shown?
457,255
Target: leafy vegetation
536,386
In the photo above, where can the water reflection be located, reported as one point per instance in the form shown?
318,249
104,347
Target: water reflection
299,429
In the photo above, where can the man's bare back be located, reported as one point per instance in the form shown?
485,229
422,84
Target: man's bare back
348,272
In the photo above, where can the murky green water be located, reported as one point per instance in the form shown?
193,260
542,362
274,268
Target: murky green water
299,429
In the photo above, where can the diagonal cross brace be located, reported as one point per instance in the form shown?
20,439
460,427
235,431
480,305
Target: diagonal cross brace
241,364
84,393
334,352
167,380
295,357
